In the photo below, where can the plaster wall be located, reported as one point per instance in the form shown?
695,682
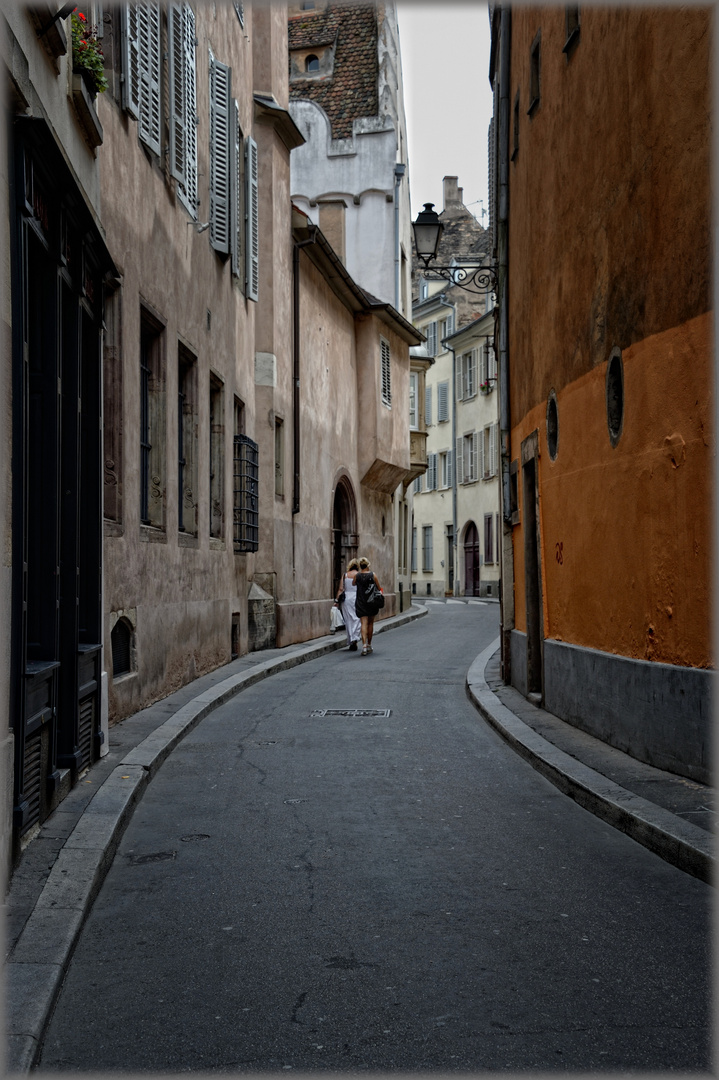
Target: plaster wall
383,431
626,530
182,589
47,81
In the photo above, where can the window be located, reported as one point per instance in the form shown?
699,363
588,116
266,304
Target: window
246,497
183,105
431,331
187,441
535,60
312,63
488,452
414,550
427,405
386,389
487,368
446,326
442,402
431,472
222,137
217,458
152,424
307,5
423,290
413,414
141,63
279,457
571,18
466,461
445,469
489,538
467,375
427,552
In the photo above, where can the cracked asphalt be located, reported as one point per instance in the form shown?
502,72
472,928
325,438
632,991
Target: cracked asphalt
359,892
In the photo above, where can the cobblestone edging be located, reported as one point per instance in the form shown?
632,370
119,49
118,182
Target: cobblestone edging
36,966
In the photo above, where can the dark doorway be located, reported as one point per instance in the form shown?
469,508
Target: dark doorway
344,531
471,561
532,565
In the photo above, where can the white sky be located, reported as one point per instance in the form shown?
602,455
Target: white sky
447,98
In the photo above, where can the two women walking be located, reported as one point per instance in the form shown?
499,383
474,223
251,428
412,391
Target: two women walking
359,607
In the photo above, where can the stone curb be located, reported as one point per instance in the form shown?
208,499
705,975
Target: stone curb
34,970
680,843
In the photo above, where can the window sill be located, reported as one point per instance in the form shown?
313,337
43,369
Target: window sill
187,540
150,534
85,110
54,39
217,543
112,528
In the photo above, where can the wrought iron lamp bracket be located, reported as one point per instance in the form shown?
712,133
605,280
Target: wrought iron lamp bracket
473,279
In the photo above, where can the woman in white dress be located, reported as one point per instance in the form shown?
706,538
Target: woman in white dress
347,607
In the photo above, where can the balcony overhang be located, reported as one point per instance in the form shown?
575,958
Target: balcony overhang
384,477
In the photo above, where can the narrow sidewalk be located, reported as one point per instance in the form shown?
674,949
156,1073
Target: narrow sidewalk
669,814
62,868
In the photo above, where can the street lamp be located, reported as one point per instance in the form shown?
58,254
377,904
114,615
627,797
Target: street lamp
427,234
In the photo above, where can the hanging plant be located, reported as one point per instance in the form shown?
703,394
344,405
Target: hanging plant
87,56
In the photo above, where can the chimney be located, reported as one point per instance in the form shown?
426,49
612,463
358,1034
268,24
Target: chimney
452,193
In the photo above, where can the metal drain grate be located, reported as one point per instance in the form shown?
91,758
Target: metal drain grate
352,712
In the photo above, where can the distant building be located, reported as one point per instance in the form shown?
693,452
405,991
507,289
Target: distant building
350,177
603,232
457,500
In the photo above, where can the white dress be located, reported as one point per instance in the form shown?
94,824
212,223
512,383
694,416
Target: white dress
352,623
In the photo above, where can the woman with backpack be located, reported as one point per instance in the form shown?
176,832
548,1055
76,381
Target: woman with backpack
368,602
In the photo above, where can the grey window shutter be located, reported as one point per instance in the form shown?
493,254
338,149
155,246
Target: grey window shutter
458,376
189,188
450,479
148,34
442,402
236,191
220,154
493,431
178,106
459,460
427,405
130,62
475,439
252,205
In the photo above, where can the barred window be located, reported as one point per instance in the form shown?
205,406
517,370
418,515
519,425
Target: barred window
386,373
246,494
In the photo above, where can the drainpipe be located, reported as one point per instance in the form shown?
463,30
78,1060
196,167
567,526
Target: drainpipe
296,366
399,171
454,470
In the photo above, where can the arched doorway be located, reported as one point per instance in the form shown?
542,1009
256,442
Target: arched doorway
471,561
344,530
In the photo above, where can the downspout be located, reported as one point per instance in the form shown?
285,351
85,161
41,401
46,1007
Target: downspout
454,471
399,171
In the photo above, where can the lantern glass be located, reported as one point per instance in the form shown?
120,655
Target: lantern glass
427,232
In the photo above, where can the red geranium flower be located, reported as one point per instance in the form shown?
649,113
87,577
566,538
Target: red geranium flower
81,16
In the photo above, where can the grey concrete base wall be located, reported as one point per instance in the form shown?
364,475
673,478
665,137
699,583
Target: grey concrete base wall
658,713
518,660
304,620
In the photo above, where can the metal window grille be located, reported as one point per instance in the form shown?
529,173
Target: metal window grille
246,494
386,373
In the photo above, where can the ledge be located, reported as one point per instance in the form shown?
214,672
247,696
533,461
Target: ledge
85,109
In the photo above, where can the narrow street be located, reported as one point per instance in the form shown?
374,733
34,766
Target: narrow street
308,891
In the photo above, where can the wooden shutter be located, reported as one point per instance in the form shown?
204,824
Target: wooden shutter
449,468
427,406
252,215
482,463
458,376
471,373
459,460
130,62
432,339
236,190
386,374
148,35
473,441
190,185
178,111
493,450
483,367
442,402
220,154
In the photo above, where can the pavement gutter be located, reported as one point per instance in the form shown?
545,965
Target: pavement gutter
36,966
680,843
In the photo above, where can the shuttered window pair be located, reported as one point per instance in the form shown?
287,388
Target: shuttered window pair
466,375
466,458
386,389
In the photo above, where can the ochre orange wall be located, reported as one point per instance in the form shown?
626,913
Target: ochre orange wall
634,521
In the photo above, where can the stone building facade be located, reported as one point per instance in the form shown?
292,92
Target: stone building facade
606,372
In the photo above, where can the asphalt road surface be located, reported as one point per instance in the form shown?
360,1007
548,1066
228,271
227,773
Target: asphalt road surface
380,892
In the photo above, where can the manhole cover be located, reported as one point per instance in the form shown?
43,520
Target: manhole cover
352,712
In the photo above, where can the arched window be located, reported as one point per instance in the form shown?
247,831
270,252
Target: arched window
121,639
312,63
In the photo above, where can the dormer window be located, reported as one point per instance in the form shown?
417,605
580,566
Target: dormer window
307,5
312,62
